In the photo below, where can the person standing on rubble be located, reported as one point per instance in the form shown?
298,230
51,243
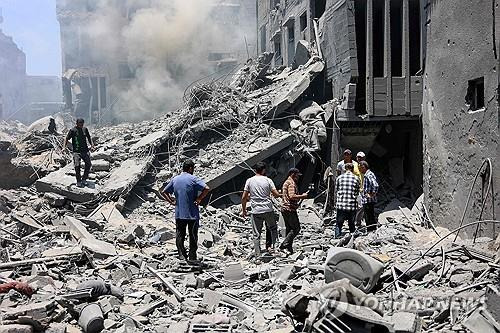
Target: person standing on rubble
79,135
360,156
291,199
369,197
347,188
189,192
258,190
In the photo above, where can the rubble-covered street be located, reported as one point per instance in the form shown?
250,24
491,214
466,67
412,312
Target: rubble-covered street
104,256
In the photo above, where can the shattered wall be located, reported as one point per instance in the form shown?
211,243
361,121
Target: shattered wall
460,132
151,50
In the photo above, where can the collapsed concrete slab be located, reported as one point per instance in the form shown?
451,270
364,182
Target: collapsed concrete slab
63,183
99,248
259,150
152,139
109,213
124,178
11,175
301,79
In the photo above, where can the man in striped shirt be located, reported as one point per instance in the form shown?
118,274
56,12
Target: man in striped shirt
369,197
291,198
347,190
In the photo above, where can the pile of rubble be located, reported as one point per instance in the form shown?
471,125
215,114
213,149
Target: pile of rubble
103,257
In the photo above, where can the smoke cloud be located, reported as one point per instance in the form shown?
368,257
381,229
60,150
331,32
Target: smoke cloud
166,45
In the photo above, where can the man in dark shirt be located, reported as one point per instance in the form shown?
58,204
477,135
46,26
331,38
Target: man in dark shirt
189,192
79,136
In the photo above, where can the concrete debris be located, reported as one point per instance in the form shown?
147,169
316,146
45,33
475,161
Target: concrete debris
362,270
103,256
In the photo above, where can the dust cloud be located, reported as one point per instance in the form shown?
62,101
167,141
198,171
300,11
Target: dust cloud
166,45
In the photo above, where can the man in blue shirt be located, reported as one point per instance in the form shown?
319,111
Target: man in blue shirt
186,188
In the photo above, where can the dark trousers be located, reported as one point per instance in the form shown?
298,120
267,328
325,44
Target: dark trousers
77,157
180,228
343,215
292,228
370,220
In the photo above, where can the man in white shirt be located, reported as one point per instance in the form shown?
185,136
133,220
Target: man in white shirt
258,190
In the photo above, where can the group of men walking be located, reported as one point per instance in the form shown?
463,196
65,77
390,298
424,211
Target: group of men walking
356,194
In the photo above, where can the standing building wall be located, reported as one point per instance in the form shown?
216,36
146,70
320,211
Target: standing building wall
12,79
460,107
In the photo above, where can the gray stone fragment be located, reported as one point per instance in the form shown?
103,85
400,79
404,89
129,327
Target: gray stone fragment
100,165
54,199
463,279
406,322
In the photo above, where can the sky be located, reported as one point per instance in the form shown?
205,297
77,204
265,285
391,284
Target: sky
34,27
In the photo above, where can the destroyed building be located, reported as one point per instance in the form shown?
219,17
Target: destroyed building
374,60
24,97
44,95
379,56
101,69
13,67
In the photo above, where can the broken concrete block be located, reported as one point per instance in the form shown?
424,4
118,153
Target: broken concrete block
284,274
105,305
481,321
16,328
101,155
63,183
132,232
362,270
493,302
109,213
100,165
122,179
54,199
406,322
99,248
234,272
179,327
190,281
301,80
77,228
419,270
457,280
204,280
162,235
149,140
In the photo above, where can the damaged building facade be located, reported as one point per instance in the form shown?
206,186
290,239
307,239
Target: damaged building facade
460,111
24,97
97,76
379,57
12,66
